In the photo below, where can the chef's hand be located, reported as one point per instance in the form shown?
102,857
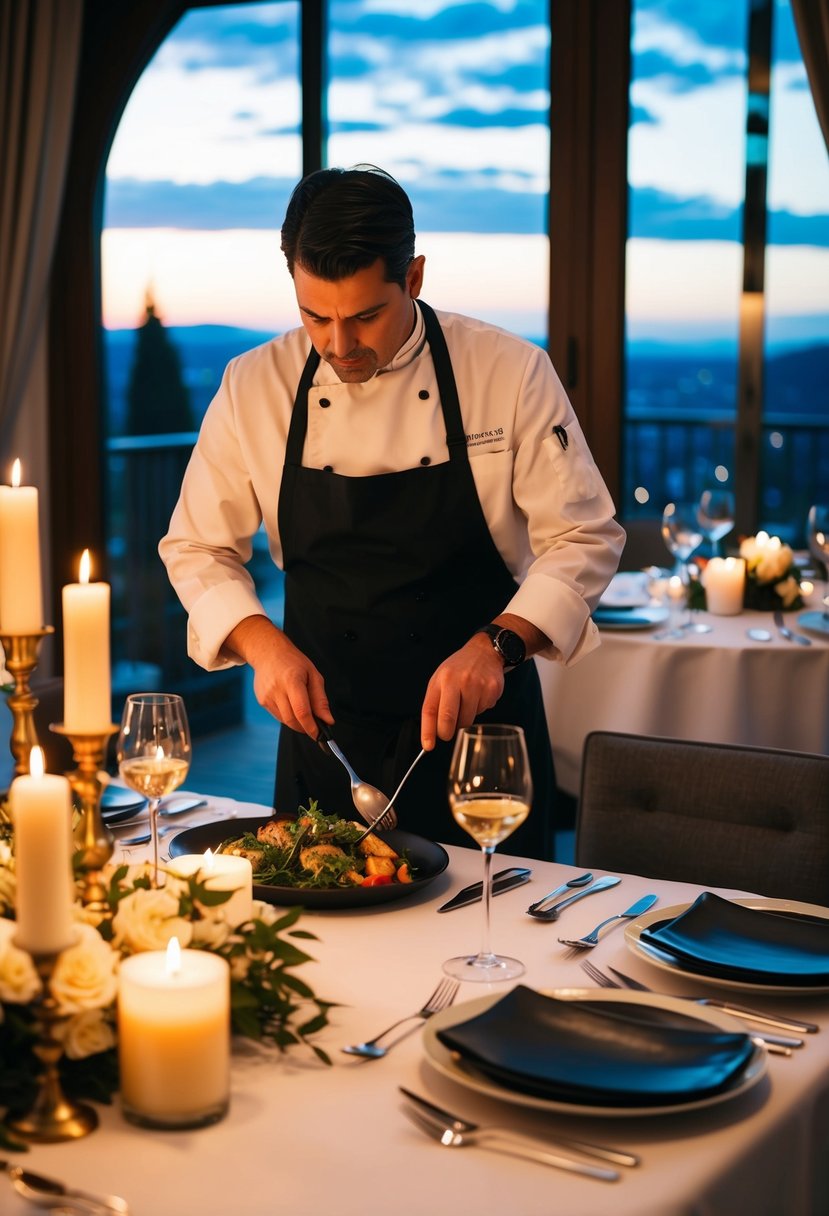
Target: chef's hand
471,680
285,682
468,682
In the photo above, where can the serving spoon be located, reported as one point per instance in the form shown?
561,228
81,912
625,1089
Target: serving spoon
49,1193
370,802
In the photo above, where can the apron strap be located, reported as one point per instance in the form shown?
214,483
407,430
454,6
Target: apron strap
299,415
455,435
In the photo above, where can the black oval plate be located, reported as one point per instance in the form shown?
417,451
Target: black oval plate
427,858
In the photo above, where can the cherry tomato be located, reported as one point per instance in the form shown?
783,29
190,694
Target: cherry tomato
376,880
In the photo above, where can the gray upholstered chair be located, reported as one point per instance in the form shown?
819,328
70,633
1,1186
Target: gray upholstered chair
750,818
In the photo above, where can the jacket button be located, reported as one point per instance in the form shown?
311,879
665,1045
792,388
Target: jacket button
424,394
421,597
324,403
415,637
328,468
350,635
426,460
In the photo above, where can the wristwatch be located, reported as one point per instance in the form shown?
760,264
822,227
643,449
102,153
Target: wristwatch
507,644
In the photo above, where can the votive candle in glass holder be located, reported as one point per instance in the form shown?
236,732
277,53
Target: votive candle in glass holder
724,581
174,1037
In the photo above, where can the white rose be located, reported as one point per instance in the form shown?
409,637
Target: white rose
19,981
87,1034
265,912
147,919
211,930
85,975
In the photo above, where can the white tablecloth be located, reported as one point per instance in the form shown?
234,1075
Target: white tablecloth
718,687
303,1139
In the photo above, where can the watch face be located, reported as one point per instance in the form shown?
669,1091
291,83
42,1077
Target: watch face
511,647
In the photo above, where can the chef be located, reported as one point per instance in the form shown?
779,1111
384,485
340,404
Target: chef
428,492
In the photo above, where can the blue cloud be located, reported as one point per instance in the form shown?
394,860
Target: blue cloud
655,213
679,77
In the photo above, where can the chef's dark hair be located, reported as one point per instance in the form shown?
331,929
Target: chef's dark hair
341,220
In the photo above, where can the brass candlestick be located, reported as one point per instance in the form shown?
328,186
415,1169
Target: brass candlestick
52,1117
93,840
21,650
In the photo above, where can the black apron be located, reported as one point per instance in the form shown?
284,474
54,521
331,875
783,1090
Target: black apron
385,577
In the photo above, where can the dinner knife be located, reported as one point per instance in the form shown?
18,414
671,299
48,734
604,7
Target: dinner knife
504,880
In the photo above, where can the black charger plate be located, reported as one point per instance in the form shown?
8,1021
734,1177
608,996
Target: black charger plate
426,858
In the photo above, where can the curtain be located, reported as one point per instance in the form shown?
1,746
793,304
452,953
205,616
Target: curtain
39,51
811,18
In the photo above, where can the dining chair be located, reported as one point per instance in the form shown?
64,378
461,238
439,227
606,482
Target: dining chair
751,818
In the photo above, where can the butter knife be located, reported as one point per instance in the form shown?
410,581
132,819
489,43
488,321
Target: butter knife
504,880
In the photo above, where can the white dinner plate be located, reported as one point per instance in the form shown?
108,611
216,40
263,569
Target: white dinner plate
651,954
628,589
442,1059
630,618
815,622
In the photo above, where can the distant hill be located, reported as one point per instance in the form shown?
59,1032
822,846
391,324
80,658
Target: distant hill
702,377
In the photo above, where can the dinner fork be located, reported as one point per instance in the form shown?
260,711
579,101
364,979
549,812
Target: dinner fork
776,1044
592,939
443,996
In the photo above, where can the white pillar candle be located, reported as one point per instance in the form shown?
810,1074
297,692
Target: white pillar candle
86,674
174,1037
21,600
41,810
221,872
724,581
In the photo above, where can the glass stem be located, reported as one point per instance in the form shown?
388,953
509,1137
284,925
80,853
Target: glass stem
154,804
486,951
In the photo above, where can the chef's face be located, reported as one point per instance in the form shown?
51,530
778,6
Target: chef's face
358,324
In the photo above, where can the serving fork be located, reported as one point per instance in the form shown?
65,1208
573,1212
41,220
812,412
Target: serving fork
777,1044
443,996
452,1131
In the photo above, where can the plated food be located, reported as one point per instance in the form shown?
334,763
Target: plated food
426,860
312,849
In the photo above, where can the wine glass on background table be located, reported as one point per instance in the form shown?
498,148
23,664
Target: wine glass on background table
490,791
715,516
154,750
682,535
817,536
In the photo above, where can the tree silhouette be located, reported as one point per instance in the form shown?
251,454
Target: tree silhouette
158,400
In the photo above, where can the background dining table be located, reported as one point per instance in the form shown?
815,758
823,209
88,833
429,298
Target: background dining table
306,1139
717,687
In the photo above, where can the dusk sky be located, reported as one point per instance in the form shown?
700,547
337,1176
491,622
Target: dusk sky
208,150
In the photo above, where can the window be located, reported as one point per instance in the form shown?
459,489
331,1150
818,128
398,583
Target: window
688,155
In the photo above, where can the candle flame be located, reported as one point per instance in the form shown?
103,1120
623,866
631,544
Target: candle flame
16,474
159,752
209,861
172,964
37,763
84,569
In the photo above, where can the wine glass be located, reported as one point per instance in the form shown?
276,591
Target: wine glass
817,533
490,790
154,750
715,516
682,534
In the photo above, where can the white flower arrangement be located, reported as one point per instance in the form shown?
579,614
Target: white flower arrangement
771,575
268,1001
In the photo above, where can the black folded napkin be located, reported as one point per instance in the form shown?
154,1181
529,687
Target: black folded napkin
598,1053
719,938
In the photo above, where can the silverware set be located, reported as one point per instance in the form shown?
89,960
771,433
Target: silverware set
451,1131
592,938
50,1193
776,1044
789,634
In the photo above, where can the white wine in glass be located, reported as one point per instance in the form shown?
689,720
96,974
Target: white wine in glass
490,793
154,750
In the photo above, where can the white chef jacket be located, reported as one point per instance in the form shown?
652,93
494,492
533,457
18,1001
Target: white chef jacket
543,498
